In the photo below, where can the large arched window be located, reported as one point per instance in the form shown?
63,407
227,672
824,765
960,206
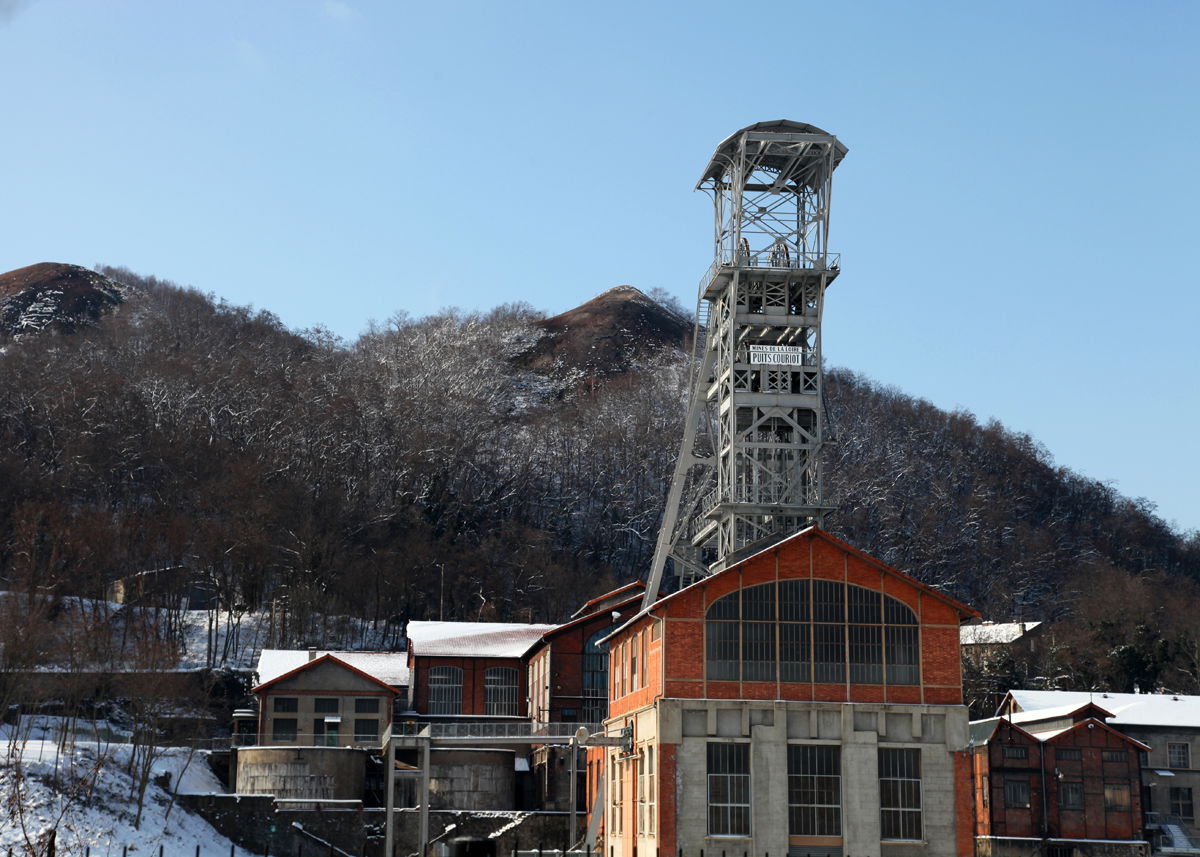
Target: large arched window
819,631
445,690
500,691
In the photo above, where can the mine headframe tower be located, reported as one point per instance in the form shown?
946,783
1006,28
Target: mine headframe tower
749,466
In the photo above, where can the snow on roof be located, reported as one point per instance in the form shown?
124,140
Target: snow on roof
391,668
474,639
1128,709
992,633
1057,712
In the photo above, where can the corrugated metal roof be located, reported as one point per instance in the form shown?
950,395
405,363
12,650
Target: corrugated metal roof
474,639
391,668
1128,709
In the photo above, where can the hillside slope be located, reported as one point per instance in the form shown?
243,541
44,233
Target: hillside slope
431,458
53,296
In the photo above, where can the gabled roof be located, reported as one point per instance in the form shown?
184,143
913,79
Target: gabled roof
1128,709
811,532
473,639
1032,718
607,611
982,731
588,607
388,667
324,659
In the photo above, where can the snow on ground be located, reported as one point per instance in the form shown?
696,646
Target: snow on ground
85,794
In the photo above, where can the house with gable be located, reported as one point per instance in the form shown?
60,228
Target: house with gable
806,700
1167,724
1056,788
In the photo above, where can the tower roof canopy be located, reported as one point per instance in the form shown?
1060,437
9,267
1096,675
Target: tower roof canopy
790,163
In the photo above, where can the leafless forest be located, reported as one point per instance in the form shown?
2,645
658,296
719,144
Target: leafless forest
422,471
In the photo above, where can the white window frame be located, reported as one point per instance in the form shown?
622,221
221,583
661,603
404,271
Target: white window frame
730,817
500,686
445,690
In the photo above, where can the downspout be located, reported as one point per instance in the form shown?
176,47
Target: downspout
1045,795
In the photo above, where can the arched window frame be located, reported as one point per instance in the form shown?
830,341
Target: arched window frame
500,686
822,631
445,690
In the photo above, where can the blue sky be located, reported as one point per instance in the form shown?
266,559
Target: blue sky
1016,217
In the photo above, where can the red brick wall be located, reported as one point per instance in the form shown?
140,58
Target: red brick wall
964,834
812,555
473,671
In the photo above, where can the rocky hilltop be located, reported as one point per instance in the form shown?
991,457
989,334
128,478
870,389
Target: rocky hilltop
54,296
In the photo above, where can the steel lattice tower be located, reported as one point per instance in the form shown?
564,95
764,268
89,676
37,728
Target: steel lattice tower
749,469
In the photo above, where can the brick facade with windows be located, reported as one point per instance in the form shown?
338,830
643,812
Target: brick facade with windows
806,699
1078,785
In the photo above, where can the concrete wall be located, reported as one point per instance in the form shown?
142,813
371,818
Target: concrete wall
327,773
682,729
472,779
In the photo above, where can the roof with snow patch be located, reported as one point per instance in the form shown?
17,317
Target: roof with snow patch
993,633
474,639
391,668
1128,709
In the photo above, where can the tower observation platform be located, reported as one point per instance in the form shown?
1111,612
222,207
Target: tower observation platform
749,468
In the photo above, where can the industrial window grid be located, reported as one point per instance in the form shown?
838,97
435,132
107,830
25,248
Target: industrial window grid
1179,755
1114,755
617,790
1181,803
445,690
286,704
899,793
728,789
283,729
1116,796
1068,754
500,691
1070,794
819,631
1016,793
1013,752
366,729
595,678
814,790
366,705
651,793
326,705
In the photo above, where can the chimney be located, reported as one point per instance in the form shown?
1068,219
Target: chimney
312,654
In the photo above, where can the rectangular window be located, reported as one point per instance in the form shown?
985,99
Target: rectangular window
1179,755
899,793
1070,795
728,789
1116,797
639,774
903,654
1011,752
286,704
814,791
633,664
651,799
1114,755
758,651
1181,803
1016,793
366,729
367,706
1068,754
283,729
617,796
325,705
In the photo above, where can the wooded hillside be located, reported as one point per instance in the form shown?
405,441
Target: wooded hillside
465,464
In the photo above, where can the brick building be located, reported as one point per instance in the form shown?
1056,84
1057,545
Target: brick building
1056,790
772,702
473,669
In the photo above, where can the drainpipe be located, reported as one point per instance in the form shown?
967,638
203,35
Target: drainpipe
1045,795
